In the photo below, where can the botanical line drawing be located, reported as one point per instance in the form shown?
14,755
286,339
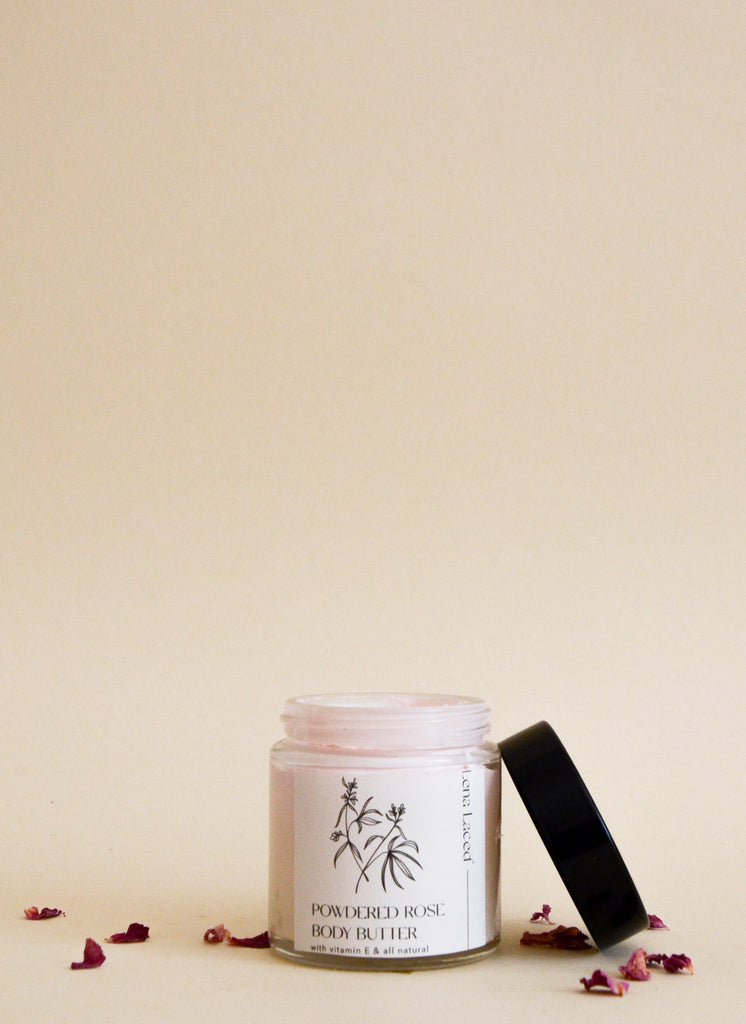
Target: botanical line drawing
391,847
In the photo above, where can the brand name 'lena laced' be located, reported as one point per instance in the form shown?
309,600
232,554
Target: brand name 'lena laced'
404,929
466,815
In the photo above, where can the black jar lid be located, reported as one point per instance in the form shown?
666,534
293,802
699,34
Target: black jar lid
574,834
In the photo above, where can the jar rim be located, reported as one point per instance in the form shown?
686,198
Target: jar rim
387,720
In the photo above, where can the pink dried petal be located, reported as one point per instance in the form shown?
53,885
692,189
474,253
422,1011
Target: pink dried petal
656,923
636,968
219,933
678,962
34,914
601,979
543,914
135,933
93,956
260,941
674,964
559,938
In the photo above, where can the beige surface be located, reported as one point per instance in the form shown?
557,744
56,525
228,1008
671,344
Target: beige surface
365,346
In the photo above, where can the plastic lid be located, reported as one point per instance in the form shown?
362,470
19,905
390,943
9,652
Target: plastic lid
574,834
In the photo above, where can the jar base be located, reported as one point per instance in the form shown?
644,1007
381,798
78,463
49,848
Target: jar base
286,949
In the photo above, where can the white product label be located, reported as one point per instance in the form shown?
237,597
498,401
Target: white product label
394,864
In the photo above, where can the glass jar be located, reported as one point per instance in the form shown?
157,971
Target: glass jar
384,832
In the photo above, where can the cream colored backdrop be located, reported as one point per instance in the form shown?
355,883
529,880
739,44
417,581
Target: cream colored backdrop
367,346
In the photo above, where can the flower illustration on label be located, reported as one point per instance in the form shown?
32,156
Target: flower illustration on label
389,847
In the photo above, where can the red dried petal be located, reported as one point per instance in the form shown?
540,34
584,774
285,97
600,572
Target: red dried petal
656,923
601,979
678,962
219,933
135,933
559,938
636,968
260,941
93,956
34,914
543,914
674,964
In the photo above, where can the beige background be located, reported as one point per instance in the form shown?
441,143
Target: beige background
365,346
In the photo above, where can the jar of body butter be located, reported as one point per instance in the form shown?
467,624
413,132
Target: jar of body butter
384,832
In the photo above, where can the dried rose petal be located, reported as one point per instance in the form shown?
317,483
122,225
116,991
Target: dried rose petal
34,914
636,968
219,933
559,938
656,923
543,914
602,980
678,962
93,956
135,933
674,964
260,941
